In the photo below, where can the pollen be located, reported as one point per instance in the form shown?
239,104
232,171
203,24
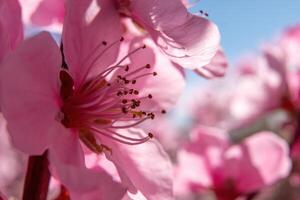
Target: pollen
106,104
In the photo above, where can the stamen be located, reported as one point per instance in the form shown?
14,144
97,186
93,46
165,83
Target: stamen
130,142
97,106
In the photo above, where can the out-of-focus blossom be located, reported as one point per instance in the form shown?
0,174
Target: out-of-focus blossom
209,105
11,28
191,42
216,68
89,103
270,81
258,89
209,161
11,165
45,13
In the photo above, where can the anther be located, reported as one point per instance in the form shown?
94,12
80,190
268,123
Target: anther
133,81
127,68
121,39
150,135
163,111
124,101
150,96
124,110
135,92
154,73
104,43
148,66
144,46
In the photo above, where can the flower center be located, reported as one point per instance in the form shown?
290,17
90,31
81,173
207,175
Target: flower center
104,106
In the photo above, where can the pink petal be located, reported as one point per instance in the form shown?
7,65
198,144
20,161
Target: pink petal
11,33
270,154
264,159
67,163
11,165
248,104
168,74
200,158
29,80
189,40
216,68
293,79
145,167
107,188
48,12
87,24
192,173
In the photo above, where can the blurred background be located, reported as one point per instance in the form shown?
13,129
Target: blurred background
244,26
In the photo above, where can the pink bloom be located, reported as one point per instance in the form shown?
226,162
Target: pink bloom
94,104
209,105
11,32
46,13
187,39
270,80
209,161
255,93
11,164
216,68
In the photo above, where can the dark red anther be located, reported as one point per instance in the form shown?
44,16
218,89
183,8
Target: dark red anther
150,96
150,135
121,39
144,46
124,101
133,81
104,43
154,73
148,66
135,92
163,111
127,68
124,110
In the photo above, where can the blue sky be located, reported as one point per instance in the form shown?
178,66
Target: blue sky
245,24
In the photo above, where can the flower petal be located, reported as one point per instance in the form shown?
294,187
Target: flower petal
159,85
11,26
199,159
145,167
67,163
189,40
260,160
29,92
87,24
216,68
48,12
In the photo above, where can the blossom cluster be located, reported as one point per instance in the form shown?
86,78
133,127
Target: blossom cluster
87,88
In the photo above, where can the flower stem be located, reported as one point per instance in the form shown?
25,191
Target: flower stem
37,178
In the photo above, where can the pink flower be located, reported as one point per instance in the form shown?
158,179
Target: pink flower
209,161
280,89
185,38
209,104
11,164
216,68
95,104
45,13
11,32
255,93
